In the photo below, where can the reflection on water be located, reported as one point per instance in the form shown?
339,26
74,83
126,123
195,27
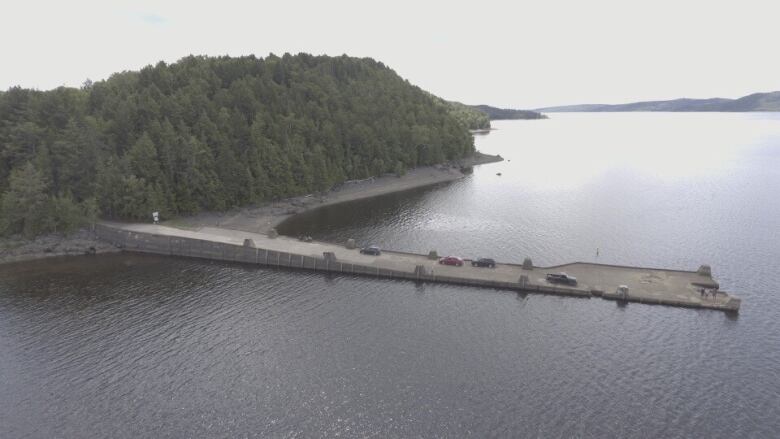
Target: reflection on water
569,151
145,346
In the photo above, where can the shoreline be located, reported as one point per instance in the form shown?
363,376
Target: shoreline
264,218
255,219
80,242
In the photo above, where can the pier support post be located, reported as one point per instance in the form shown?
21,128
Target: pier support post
523,281
328,257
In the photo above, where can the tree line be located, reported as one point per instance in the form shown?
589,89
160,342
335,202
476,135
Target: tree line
473,118
211,133
495,113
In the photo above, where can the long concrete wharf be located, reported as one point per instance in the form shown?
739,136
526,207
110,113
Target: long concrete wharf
645,285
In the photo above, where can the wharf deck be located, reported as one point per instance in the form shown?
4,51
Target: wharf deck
646,285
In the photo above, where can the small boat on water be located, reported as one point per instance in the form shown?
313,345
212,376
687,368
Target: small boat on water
498,173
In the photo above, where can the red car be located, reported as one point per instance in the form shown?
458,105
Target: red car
451,260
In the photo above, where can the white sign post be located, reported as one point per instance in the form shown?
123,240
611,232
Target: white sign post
156,217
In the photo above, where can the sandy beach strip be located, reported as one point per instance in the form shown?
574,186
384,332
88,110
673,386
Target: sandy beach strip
263,218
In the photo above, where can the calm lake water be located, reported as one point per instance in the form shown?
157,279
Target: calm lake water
144,346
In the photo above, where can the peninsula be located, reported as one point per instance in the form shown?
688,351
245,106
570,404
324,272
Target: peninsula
495,113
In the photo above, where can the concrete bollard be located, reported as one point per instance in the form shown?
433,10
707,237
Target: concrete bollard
733,304
433,255
249,243
622,292
528,264
351,244
273,233
704,270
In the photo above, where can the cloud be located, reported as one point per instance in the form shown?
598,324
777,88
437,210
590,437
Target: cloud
528,54
153,19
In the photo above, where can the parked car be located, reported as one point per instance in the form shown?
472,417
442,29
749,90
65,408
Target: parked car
451,260
561,278
483,262
371,250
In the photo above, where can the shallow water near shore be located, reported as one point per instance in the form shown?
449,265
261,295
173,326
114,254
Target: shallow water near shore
145,346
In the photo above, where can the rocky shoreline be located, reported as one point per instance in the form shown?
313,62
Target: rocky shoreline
80,242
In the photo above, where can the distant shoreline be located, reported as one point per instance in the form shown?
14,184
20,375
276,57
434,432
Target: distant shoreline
756,102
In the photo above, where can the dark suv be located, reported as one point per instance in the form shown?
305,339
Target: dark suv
561,278
483,262
371,250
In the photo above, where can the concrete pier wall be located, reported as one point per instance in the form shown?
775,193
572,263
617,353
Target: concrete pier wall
220,251
221,248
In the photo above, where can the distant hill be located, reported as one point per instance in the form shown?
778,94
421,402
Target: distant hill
754,102
504,113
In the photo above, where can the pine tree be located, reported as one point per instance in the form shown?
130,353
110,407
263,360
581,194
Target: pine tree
23,208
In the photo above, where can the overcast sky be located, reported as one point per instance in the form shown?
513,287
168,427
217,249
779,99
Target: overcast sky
508,53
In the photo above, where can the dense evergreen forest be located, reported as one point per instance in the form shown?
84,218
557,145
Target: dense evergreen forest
211,133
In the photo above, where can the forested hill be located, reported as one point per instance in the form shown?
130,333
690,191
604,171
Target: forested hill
209,134
754,102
